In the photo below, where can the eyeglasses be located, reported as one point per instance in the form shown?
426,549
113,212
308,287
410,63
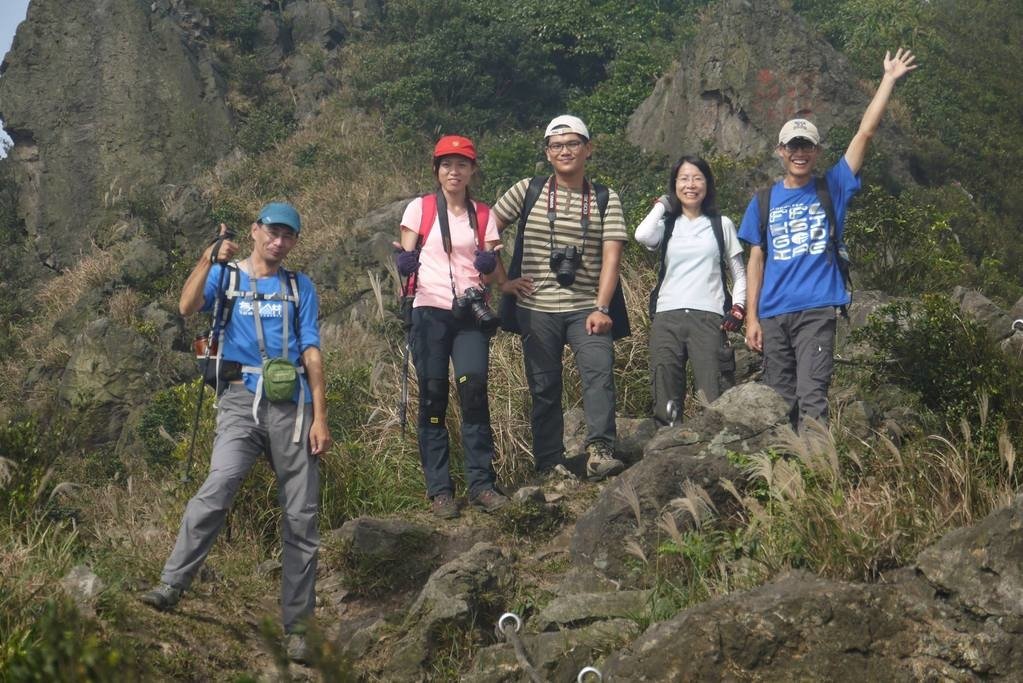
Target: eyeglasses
279,233
799,145
571,145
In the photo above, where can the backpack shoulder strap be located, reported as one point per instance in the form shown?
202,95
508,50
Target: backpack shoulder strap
429,216
296,299
824,195
229,295
533,191
719,237
603,197
482,218
764,204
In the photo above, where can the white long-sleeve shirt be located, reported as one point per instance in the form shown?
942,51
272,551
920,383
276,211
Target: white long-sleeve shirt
692,277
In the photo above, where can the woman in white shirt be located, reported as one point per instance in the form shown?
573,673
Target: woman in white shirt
691,305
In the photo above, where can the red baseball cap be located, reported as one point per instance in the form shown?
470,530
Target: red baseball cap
455,144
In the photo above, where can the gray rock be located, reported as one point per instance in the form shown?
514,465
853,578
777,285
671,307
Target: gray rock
464,593
980,568
860,418
169,326
797,628
111,370
532,494
1013,346
383,555
583,608
978,307
555,656
186,211
743,419
97,121
143,262
1016,312
313,22
633,434
84,587
865,304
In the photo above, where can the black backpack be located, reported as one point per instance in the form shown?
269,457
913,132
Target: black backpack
719,236
509,302
834,250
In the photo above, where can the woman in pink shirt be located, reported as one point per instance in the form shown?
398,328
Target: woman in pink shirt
448,252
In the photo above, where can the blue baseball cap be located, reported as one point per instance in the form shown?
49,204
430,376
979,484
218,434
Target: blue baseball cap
280,213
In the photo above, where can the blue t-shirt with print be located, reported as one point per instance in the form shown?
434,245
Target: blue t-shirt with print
799,271
240,341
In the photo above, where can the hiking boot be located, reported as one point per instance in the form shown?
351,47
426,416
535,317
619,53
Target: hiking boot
297,648
164,597
444,506
600,462
490,500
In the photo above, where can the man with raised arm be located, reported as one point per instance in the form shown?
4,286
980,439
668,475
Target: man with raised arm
796,275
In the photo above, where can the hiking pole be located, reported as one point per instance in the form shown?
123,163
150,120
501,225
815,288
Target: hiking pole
511,634
406,317
403,413
217,307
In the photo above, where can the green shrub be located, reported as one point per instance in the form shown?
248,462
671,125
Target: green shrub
263,128
902,245
26,461
58,644
933,349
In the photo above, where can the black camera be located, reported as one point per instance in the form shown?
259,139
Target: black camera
564,262
472,305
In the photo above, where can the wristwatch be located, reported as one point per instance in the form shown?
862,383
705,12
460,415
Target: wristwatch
604,309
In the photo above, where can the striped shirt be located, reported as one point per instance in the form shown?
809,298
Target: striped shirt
550,297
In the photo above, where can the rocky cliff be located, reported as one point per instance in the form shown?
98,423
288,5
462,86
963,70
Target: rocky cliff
104,100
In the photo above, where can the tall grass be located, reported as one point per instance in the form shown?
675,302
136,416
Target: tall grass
830,503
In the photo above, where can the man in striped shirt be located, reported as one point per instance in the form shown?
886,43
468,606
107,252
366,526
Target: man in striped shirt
569,272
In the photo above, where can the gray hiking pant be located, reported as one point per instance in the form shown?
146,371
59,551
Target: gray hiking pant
544,336
238,444
799,360
676,338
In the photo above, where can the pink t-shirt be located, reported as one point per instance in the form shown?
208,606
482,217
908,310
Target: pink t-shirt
434,287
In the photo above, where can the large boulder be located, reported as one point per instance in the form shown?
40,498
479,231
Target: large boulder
958,617
737,83
111,370
802,627
383,555
743,419
980,568
978,307
465,593
557,656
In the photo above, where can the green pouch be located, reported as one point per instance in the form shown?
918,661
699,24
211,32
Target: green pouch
280,379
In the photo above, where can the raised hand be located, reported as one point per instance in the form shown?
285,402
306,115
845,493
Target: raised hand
899,65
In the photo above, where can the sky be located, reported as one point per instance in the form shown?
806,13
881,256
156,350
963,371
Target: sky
12,12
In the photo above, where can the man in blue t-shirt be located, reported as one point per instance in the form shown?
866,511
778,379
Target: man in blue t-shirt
794,282
266,408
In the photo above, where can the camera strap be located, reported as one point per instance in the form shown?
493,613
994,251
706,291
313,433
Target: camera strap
584,209
445,230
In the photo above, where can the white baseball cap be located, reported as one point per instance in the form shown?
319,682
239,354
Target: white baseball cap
566,123
799,128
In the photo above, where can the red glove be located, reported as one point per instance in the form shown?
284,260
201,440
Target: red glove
732,322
